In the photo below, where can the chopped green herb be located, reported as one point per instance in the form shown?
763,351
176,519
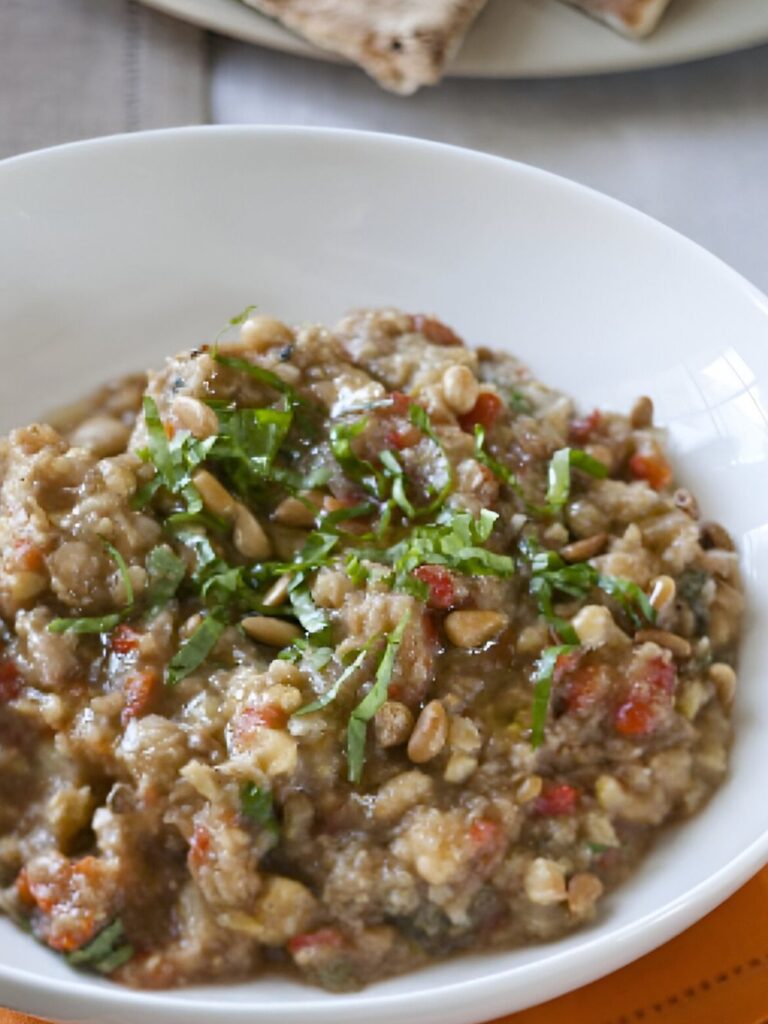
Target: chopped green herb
313,620
356,571
559,488
194,651
301,650
370,704
174,460
106,952
100,623
497,468
631,597
241,317
257,804
247,445
542,680
333,691
360,470
395,472
518,402
258,373
166,571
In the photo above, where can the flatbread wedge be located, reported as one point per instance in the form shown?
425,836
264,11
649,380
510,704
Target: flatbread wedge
631,17
403,44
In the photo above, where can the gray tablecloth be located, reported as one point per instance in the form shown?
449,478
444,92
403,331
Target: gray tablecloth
72,69
688,145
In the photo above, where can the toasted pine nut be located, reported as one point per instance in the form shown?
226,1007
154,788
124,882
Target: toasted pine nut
584,889
474,628
678,645
686,502
275,632
595,627
216,498
196,417
459,768
641,414
544,882
293,512
26,585
663,592
278,592
460,388
393,723
529,789
724,678
264,331
429,734
581,550
249,536
713,535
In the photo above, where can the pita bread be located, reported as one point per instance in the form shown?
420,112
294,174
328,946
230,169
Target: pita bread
632,17
403,44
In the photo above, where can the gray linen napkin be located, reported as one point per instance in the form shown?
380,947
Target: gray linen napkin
73,69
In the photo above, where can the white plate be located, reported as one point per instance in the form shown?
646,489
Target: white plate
532,38
115,252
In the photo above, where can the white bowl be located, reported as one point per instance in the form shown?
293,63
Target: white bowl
115,252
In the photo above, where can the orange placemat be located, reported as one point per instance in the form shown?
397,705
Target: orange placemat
715,973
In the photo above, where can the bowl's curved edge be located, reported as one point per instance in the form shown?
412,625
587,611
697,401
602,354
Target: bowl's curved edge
595,958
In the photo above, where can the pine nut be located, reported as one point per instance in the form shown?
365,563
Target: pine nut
544,882
595,627
529,789
278,592
724,678
393,724
676,644
584,890
274,632
196,417
216,498
663,592
581,550
259,332
641,414
460,388
713,535
474,628
293,512
249,536
429,734
459,768
686,502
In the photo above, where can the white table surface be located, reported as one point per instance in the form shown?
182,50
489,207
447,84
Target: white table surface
688,145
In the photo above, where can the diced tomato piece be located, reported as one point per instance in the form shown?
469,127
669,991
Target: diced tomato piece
80,930
484,412
199,847
29,556
266,716
442,592
635,717
582,688
581,429
652,468
323,938
435,330
23,890
403,437
566,663
661,675
11,680
557,800
401,403
141,690
485,832
124,640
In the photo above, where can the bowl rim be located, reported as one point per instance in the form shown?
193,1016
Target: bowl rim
615,950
